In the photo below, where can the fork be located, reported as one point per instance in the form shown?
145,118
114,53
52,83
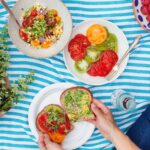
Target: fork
115,69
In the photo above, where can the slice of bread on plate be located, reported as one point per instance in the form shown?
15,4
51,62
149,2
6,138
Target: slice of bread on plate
76,101
53,121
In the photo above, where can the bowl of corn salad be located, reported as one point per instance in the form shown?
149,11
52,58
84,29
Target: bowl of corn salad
45,29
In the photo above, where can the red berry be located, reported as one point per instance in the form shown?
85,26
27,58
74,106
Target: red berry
149,8
144,10
148,18
145,2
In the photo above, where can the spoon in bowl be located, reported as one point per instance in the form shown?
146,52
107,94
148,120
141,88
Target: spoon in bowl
10,12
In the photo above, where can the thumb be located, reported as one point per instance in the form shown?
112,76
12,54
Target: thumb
96,110
46,139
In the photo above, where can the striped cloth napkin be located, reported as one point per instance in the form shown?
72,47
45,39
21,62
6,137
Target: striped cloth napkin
14,130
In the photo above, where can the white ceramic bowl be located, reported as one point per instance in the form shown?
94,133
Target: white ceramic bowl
26,48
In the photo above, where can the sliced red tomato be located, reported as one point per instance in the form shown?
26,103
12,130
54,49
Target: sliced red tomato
42,121
23,35
62,128
79,36
83,39
104,65
77,57
76,51
77,47
97,69
74,46
109,59
34,13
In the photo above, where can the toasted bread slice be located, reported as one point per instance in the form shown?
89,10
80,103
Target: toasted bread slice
76,101
53,121
60,109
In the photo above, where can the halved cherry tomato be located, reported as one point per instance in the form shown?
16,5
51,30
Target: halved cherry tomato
62,128
54,122
49,128
30,20
24,23
67,123
42,122
23,35
34,13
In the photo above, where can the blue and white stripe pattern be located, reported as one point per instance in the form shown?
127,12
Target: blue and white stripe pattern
14,130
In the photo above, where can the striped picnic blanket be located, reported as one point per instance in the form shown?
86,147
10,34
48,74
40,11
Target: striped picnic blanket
14,130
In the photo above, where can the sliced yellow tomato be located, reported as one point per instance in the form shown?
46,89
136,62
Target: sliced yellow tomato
35,43
96,34
46,44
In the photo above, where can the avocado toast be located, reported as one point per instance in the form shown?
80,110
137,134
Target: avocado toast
53,121
76,101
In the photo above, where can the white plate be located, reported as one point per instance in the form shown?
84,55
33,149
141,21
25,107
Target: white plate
26,48
122,47
51,95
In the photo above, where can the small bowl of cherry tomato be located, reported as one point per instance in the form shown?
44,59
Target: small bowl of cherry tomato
45,27
142,13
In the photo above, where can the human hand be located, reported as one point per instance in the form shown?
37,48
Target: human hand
46,144
104,120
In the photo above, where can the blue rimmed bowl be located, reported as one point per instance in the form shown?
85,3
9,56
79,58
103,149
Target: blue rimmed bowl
137,4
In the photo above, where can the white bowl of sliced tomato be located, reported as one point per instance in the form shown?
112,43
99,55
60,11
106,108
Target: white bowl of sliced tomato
45,29
94,49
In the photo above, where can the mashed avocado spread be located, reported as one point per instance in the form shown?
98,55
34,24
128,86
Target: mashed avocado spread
77,104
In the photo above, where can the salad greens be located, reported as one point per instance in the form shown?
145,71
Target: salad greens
9,95
38,29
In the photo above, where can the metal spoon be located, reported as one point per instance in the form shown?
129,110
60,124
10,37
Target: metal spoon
10,12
